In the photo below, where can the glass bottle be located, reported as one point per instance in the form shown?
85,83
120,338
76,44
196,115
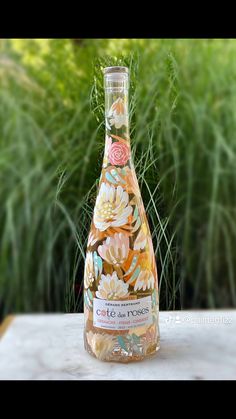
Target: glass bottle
120,277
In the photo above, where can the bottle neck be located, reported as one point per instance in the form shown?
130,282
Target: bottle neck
117,145
117,153
117,112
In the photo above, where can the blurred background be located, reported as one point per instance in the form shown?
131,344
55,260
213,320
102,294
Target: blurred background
183,136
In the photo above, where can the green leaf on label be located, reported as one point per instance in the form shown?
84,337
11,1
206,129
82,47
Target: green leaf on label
122,343
110,178
136,339
87,301
137,225
90,295
97,264
135,215
135,275
154,298
123,171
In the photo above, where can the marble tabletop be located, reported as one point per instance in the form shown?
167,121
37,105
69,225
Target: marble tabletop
195,345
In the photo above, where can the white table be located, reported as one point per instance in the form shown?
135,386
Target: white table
195,345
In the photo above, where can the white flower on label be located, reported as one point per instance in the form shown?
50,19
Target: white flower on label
112,288
144,281
115,249
88,270
117,114
111,209
101,345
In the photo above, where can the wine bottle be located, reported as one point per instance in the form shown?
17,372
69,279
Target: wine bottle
121,303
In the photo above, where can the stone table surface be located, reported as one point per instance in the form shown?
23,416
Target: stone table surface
195,345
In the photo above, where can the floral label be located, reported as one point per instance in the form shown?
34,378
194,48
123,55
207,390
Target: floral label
120,266
122,315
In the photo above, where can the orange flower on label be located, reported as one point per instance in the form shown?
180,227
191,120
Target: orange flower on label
118,106
141,239
95,236
138,270
144,281
117,114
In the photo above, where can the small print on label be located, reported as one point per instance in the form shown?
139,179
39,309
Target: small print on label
122,315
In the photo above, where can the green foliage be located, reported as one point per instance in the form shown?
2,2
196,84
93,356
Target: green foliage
183,124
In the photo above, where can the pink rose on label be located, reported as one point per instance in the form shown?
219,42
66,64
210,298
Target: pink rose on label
118,153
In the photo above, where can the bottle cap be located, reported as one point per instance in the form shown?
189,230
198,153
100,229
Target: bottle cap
116,78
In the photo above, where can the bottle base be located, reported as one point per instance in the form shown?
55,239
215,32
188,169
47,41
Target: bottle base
121,355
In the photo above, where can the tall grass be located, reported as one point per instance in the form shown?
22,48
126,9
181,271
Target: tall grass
183,124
